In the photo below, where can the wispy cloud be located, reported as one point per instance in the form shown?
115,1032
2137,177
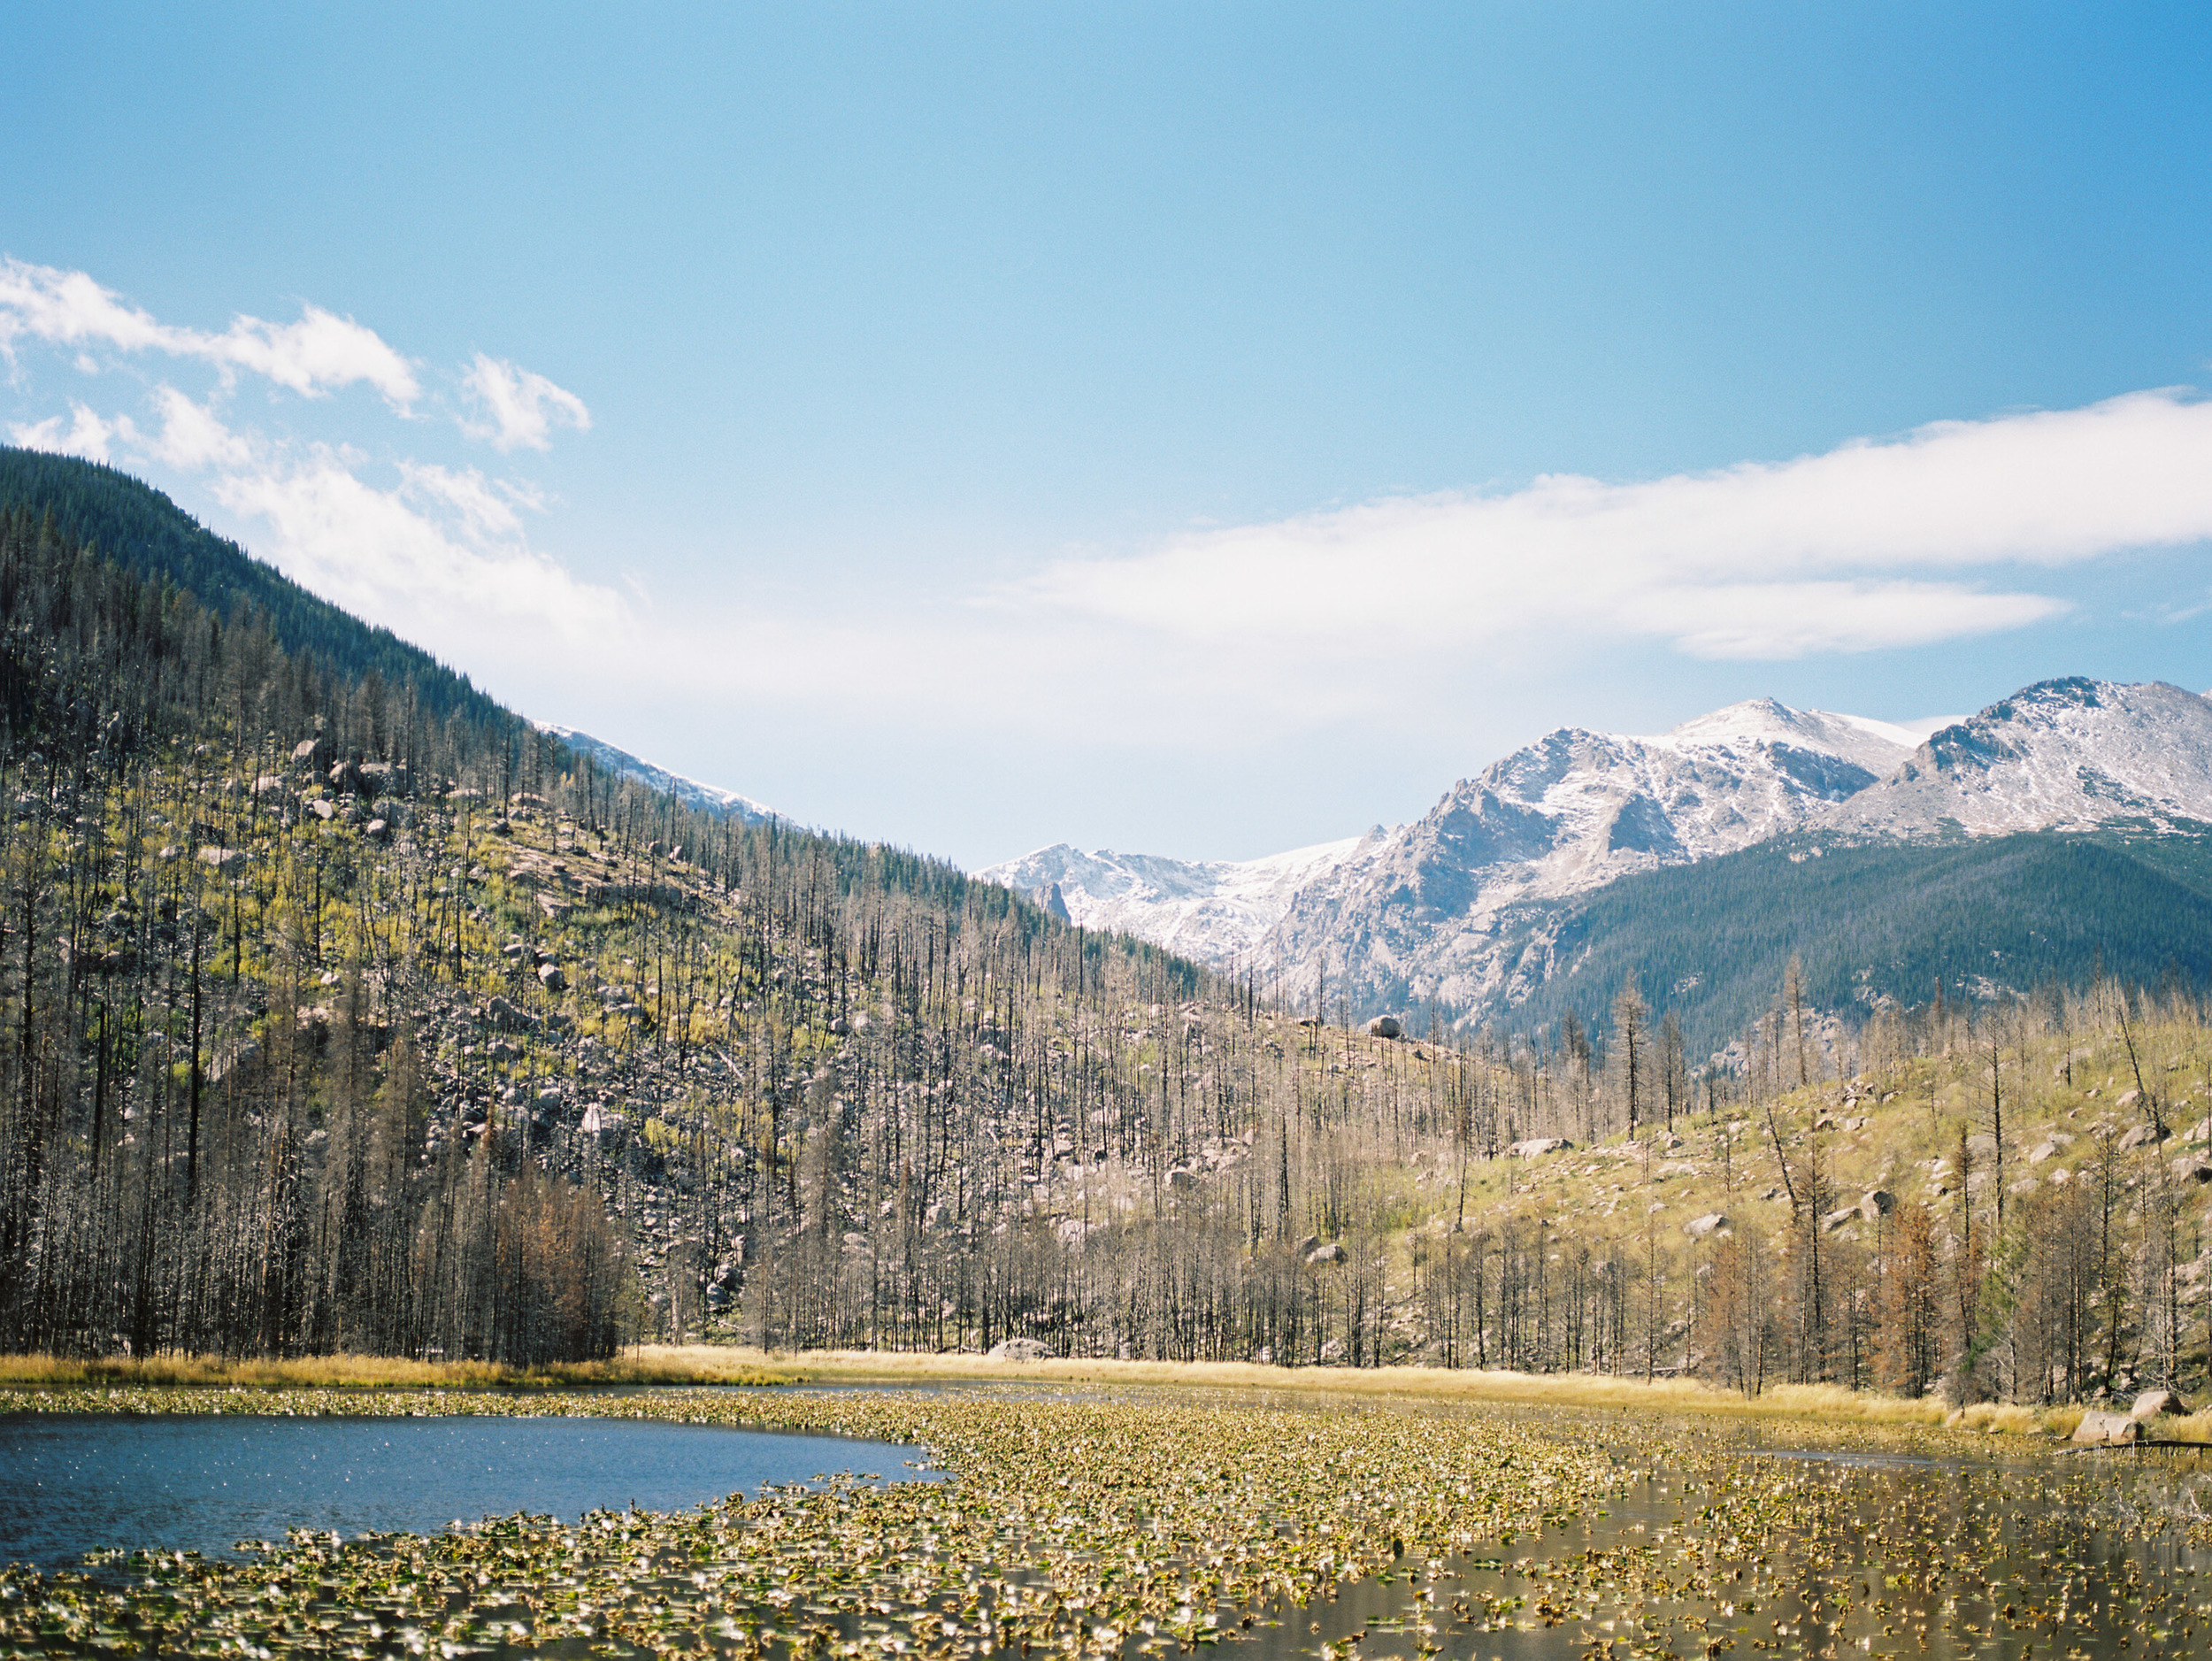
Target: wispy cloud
440,554
190,437
1947,532
441,557
521,409
86,434
318,354
1866,546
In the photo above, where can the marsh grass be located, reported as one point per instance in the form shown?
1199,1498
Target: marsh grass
699,1364
671,1365
1470,1385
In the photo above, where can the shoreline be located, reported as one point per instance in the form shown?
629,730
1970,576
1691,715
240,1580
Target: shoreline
655,1365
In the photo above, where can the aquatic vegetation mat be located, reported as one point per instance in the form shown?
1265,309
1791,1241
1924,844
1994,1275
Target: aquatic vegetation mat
1129,1527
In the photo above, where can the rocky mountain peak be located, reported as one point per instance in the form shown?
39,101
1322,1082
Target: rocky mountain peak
2064,754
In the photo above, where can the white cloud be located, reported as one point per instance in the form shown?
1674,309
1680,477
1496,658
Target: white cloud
440,559
487,514
523,407
1834,552
87,434
439,554
322,350
191,436
318,354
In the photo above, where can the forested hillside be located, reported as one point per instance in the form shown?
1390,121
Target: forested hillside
1881,922
336,1016
147,537
344,1019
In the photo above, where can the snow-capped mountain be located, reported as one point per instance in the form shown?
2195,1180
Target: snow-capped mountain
1215,910
1569,813
1441,908
2060,755
708,798
1467,904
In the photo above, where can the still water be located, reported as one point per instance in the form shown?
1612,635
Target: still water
72,1484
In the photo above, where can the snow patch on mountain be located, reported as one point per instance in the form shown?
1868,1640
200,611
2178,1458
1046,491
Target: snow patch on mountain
1466,906
708,798
1216,911
1441,907
2061,755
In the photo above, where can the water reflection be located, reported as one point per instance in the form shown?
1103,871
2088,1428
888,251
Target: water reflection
70,1484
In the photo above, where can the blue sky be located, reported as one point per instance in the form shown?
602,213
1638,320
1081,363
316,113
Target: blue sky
1193,429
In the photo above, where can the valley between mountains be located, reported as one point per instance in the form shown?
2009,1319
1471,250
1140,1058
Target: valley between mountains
350,1012
1498,905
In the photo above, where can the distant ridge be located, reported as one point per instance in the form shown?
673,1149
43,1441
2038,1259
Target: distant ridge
708,798
1216,911
2065,826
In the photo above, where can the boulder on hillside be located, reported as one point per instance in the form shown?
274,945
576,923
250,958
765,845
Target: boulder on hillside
2191,1167
1706,1227
2142,1136
1839,1219
1330,1253
551,979
1537,1147
1018,1349
2100,1429
312,755
1877,1203
504,1015
1384,1026
385,778
2157,1404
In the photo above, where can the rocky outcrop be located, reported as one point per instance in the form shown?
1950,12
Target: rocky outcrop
2157,1404
2099,1428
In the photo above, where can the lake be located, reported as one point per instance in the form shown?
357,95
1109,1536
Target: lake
1129,1530
71,1483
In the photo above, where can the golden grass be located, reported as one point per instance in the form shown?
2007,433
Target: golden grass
2182,1427
647,1366
1574,1389
651,1364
